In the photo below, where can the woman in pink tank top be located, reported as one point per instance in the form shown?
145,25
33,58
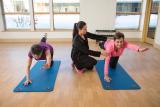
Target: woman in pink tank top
114,49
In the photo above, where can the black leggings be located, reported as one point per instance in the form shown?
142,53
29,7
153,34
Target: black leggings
113,62
85,62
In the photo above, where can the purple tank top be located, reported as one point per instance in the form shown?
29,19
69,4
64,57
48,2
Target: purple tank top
45,47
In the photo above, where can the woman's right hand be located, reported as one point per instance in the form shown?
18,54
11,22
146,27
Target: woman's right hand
103,53
107,78
27,82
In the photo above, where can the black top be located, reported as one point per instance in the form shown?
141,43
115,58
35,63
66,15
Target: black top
80,46
96,37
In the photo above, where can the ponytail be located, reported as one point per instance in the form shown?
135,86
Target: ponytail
75,30
78,26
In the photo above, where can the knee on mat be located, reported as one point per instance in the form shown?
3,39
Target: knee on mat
112,66
94,62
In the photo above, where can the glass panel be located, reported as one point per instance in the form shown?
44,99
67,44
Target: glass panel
127,21
17,21
66,6
128,14
153,19
16,6
65,21
41,14
41,5
42,21
132,6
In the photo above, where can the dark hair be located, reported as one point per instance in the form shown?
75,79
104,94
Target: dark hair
36,49
118,35
78,26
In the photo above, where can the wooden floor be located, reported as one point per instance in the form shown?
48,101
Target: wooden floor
72,90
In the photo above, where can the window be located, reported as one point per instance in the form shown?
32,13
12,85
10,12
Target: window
128,13
41,14
66,13
16,14
153,18
154,13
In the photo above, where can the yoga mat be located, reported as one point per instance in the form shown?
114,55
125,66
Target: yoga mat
43,80
120,79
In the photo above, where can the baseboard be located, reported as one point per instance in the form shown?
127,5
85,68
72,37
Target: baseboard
51,40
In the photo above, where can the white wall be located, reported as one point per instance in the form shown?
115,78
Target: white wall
137,35
98,14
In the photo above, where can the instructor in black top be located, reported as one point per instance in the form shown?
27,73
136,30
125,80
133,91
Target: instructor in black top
81,54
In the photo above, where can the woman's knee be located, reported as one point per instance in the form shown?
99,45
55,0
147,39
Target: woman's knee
90,67
93,61
113,62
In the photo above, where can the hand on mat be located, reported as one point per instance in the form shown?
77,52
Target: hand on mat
27,82
143,49
107,78
46,66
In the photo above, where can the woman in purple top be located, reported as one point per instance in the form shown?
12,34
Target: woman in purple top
41,51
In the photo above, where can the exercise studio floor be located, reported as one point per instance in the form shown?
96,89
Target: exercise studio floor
72,90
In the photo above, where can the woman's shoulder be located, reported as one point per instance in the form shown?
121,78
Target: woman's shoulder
109,44
77,38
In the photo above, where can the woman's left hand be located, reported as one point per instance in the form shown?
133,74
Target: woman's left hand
103,53
46,66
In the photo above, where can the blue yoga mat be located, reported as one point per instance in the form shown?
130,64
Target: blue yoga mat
120,79
42,80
